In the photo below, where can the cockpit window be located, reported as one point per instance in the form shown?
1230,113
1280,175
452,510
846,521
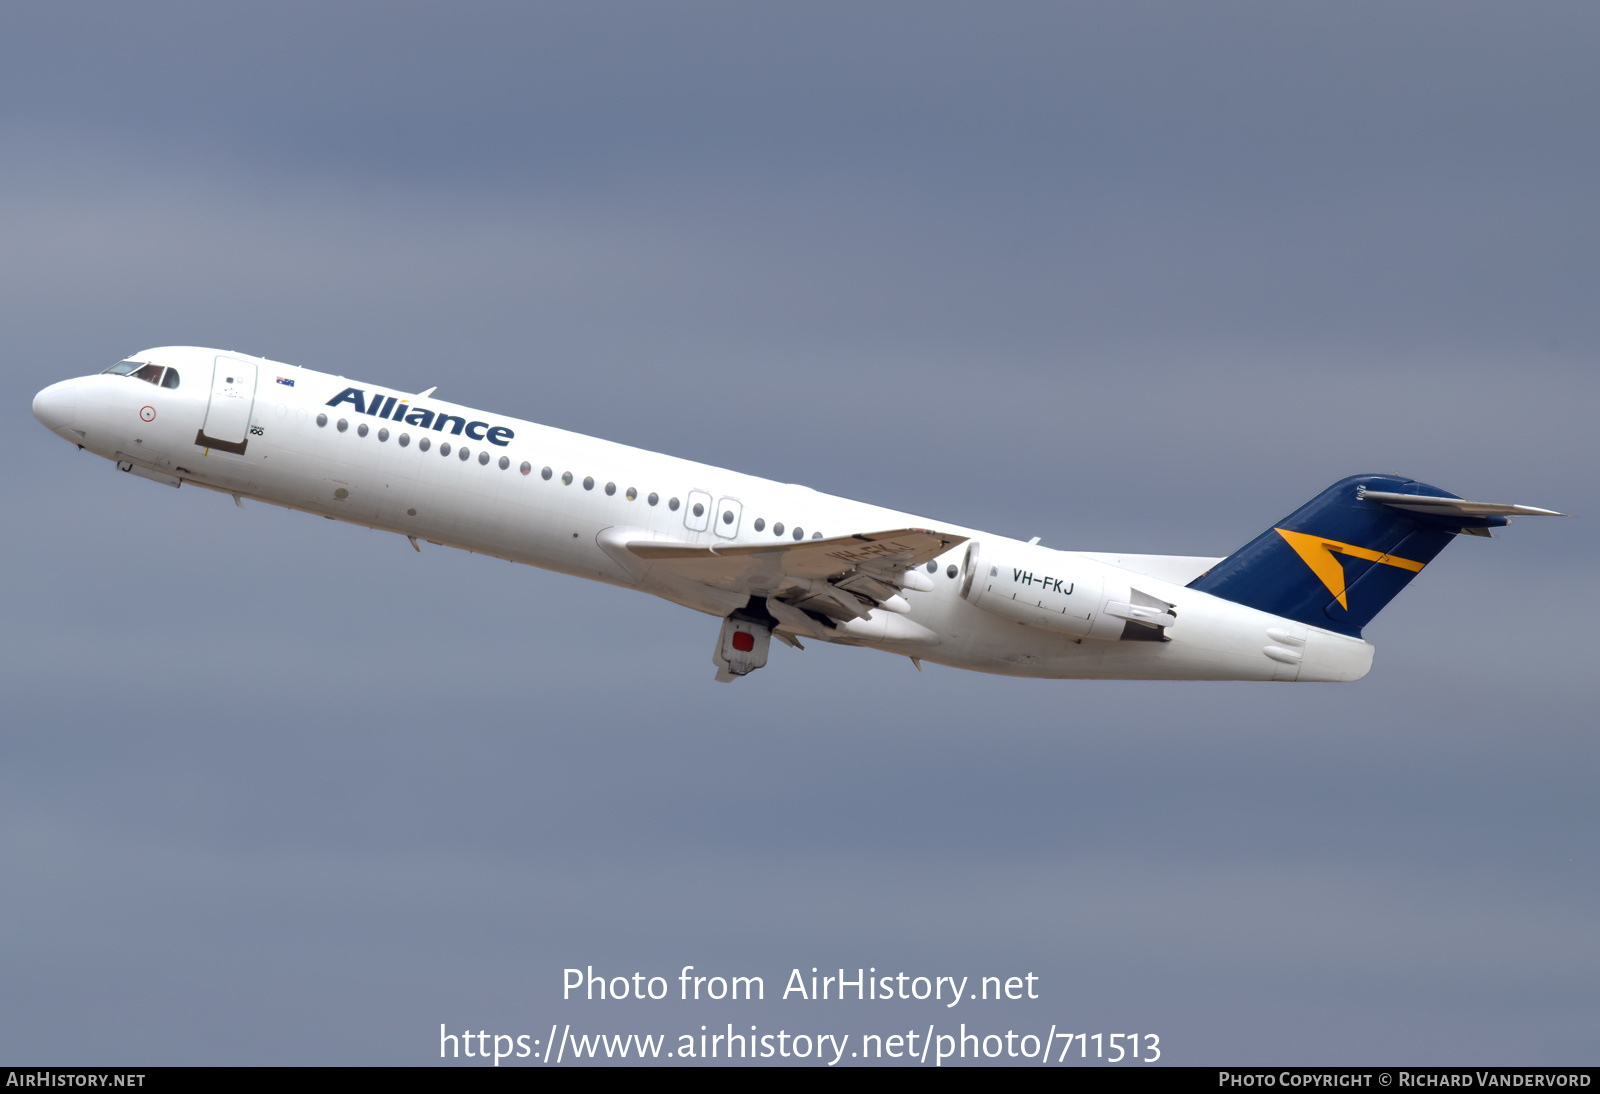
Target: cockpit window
150,374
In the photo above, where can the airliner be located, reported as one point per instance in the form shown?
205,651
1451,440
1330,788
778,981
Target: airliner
768,559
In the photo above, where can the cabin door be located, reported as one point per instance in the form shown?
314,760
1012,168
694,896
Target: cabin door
233,397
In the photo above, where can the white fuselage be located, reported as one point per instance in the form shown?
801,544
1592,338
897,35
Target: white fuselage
563,501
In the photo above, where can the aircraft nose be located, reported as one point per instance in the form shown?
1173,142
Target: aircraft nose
56,406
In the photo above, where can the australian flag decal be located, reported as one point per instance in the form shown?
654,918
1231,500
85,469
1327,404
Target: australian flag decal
286,381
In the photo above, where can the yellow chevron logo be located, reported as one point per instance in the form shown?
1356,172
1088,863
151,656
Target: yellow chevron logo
1318,553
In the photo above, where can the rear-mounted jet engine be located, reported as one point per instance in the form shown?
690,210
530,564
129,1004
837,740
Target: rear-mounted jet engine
1037,587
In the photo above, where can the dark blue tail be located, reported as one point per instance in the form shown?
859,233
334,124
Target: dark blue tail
1338,559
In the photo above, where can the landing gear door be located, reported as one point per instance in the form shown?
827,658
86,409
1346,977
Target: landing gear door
741,648
233,397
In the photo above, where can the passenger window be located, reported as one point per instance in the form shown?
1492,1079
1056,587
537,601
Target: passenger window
424,444
698,518
361,430
170,380
383,434
777,529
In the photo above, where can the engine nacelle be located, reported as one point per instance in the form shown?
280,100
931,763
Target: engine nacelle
1042,588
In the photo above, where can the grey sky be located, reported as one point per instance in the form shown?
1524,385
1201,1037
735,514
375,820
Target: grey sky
280,790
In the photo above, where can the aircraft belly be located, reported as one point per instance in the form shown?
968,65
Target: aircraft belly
1213,640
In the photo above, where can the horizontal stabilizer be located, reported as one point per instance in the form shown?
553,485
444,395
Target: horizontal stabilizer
1453,507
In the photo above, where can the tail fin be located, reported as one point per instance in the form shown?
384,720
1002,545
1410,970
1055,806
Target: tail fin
1337,560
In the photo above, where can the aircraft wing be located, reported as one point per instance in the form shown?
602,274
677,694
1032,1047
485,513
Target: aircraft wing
879,553
841,578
